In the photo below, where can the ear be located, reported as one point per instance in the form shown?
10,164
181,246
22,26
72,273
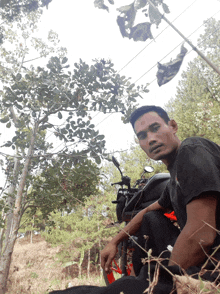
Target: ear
173,125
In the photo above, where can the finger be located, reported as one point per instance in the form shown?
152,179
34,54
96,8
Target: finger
103,262
108,264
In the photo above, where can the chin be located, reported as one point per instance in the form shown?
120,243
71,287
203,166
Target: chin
159,156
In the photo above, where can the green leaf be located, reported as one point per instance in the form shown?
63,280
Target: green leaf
8,144
98,160
4,119
18,77
60,115
64,131
100,137
202,285
64,60
8,125
19,106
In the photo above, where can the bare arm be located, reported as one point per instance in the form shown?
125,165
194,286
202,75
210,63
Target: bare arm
196,237
109,252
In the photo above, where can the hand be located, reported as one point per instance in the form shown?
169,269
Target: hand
107,255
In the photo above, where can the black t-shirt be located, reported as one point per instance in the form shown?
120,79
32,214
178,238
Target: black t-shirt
196,169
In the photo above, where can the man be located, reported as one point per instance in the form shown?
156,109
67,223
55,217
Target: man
193,190
193,194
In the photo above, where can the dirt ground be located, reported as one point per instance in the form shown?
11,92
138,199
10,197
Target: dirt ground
36,270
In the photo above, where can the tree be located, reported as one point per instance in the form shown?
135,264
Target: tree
14,10
84,229
132,163
197,98
61,187
38,100
129,13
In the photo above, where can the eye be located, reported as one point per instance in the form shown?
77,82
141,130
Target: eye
142,136
155,128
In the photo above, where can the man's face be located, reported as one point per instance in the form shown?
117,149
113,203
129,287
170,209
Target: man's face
156,137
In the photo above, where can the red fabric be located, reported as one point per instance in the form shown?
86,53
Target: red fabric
171,216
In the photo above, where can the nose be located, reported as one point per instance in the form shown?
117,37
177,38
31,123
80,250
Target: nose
151,139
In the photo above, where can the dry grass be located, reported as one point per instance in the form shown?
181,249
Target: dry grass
184,284
187,285
35,269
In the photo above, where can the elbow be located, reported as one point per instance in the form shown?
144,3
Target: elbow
208,239
204,239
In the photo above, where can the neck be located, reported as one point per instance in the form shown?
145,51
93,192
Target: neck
171,157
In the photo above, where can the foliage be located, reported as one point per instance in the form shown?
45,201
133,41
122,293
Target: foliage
16,10
31,101
38,102
34,96
12,10
132,164
62,187
197,98
128,16
83,229
85,224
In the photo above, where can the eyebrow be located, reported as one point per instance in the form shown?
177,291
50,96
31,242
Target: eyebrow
150,126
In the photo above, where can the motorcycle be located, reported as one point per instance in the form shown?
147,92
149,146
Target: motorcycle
129,201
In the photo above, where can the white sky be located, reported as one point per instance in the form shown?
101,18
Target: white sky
89,33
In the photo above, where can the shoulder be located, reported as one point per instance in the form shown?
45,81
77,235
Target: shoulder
196,153
199,143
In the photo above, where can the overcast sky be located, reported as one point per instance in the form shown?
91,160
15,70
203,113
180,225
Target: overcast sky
89,33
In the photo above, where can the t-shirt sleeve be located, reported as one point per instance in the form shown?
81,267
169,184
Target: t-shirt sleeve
197,171
164,199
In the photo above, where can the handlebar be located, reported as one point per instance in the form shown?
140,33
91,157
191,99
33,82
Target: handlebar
125,181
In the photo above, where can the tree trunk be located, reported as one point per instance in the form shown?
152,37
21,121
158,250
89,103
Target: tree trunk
15,219
88,265
100,268
5,260
11,202
82,253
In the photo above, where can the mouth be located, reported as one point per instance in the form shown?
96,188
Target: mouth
154,148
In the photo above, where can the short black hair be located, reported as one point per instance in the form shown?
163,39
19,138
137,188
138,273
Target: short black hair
148,108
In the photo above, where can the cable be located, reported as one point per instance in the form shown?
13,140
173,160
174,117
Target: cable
133,59
165,55
192,49
174,49
105,118
155,37
179,45
151,67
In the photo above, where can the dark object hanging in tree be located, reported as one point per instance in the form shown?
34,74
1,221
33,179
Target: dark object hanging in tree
167,71
141,32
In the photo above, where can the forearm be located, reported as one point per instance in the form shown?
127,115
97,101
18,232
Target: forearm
134,225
